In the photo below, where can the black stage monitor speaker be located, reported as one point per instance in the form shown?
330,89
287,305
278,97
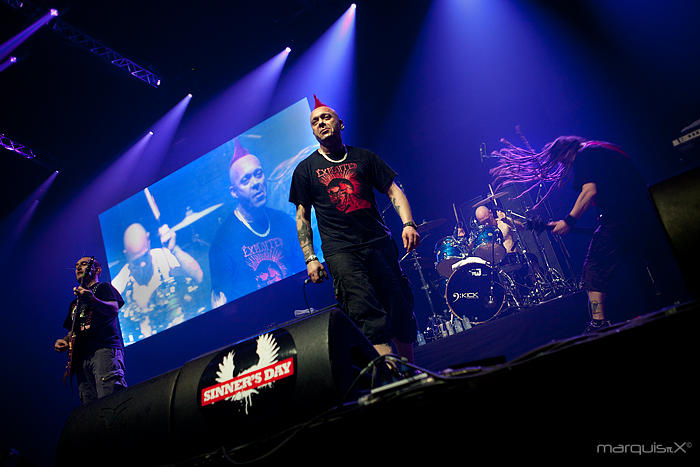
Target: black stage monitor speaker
234,395
677,202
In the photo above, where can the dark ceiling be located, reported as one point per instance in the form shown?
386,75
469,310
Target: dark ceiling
76,111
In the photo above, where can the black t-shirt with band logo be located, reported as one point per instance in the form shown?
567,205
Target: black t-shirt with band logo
342,193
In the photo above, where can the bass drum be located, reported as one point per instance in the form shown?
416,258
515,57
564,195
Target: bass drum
468,293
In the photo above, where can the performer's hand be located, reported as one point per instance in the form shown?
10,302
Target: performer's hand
317,273
559,227
61,345
167,236
411,238
85,295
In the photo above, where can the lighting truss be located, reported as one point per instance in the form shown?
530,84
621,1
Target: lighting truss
90,44
14,146
110,55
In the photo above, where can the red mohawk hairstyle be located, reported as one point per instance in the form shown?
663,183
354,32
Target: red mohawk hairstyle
318,103
238,152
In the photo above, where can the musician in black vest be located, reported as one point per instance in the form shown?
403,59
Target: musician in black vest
97,355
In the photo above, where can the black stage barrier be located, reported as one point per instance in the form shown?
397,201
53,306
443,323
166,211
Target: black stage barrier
233,395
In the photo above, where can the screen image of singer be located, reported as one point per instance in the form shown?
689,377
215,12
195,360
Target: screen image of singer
215,230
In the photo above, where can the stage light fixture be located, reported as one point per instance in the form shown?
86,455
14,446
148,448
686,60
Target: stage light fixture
287,50
53,12
7,63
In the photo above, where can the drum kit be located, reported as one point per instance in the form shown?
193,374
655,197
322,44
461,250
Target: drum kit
477,277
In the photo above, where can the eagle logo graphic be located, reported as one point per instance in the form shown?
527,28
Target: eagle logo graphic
267,350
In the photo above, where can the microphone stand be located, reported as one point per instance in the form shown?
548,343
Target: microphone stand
491,300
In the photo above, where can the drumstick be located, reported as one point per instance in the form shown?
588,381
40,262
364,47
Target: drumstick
152,204
455,210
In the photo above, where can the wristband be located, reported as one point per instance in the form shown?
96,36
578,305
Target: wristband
311,258
410,224
570,220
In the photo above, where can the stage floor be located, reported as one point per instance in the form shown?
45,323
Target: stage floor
559,396
507,337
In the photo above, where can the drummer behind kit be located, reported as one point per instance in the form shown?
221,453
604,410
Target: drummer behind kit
169,297
478,278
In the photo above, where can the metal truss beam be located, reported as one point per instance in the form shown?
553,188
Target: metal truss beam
14,146
90,44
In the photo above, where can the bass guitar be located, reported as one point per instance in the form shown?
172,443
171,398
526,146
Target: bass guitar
77,310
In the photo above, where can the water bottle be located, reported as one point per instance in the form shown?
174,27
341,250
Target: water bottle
465,323
457,325
420,338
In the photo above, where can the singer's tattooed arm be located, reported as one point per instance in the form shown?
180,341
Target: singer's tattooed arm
304,232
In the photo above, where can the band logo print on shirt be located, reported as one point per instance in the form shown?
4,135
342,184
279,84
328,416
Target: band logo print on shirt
343,187
265,258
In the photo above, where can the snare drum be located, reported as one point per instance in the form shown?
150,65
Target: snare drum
487,244
448,251
468,293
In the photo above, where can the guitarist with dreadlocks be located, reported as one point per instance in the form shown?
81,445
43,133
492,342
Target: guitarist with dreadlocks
604,177
94,341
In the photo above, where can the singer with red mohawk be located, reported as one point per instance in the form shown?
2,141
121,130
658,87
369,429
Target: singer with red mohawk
338,181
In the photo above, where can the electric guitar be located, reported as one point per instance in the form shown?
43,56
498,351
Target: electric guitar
77,310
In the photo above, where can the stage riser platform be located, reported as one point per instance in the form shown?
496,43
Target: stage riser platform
510,336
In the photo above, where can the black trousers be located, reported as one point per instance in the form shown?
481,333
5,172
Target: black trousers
374,292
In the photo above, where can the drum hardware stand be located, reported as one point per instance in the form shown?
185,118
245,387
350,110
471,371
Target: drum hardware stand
552,275
433,319
522,248
510,290
558,239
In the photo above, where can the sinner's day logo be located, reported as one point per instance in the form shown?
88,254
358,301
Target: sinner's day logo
343,187
242,388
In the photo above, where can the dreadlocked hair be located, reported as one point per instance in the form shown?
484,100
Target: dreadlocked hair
524,165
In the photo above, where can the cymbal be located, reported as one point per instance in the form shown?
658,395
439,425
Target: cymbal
195,216
489,198
429,225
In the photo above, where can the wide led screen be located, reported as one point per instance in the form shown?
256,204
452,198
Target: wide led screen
218,228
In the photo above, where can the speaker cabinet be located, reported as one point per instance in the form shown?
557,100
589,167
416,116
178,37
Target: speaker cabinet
248,390
677,202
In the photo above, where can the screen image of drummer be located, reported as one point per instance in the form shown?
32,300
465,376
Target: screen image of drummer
214,230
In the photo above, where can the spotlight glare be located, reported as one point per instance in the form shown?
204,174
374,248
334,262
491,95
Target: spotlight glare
53,12
287,50
158,83
353,6
189,95
13,59
150,133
